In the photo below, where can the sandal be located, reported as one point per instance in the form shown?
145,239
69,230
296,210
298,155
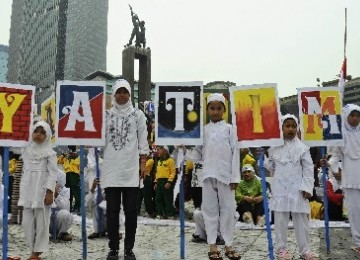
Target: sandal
233,255
356,249
214,255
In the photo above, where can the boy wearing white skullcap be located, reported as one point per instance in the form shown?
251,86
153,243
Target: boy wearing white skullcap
125,155
221,175
349,154
292,186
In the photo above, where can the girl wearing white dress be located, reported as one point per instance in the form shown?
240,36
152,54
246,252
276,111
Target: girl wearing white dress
37,188
292,186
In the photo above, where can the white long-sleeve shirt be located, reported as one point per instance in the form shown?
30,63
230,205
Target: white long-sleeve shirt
293,173
38,176
220,155
126,139
62,201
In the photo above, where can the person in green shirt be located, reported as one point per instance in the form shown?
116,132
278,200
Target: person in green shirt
249,198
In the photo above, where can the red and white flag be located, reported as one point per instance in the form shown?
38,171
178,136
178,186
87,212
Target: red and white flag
342,75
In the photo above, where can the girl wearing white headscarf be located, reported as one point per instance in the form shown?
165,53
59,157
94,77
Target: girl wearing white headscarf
293,182
349,154
63,217
37,187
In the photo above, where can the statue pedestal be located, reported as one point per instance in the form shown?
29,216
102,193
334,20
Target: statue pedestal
129,54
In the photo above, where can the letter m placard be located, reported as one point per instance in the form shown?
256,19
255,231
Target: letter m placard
80,113
16,108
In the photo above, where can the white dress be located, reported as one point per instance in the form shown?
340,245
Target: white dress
293,171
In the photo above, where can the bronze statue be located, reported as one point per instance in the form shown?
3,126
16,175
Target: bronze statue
138,30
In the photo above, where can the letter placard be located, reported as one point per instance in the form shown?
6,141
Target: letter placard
80,113
178,113
255,112
16,110
320,116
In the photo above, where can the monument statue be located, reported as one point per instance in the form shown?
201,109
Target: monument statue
138,31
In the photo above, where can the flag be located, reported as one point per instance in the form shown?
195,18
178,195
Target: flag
342,75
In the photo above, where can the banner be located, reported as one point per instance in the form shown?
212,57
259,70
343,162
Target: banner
178,113
80,113
256,115
320,116
48,114
16,114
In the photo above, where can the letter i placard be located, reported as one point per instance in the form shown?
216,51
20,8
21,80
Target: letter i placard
178,113
256,114
16,114
80,113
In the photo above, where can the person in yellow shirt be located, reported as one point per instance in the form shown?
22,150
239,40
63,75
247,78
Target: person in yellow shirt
164,178
71,165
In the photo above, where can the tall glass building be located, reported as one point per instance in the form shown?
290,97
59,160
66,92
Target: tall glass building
4,56
56,39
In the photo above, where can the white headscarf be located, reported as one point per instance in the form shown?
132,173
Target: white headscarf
38,151
121,110
346,112
61,178
290,116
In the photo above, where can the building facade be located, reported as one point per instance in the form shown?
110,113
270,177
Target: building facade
56,39
4,56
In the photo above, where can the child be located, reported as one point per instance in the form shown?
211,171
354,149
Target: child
37,188
61,215
349,154
292,186
221,175
71,165
165,175
335,195
249,198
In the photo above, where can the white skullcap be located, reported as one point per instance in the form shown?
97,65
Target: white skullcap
121,83
215,97
247,167
289,116
166,148
61,178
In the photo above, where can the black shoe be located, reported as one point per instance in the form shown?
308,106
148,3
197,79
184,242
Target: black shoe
113,255
220,241
197,239
129,254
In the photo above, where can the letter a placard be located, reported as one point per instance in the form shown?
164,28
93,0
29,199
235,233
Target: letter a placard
178,117
80,113
16,110
255,112
320,116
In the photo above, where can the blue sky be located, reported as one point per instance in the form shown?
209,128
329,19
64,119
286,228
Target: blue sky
290,43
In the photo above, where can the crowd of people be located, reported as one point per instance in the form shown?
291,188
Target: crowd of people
221,180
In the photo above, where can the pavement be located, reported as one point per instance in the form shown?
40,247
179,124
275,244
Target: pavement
160,239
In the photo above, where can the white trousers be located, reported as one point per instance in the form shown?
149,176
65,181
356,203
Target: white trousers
95,218
200,225
301,227
36,224
352,201
218,205
63,221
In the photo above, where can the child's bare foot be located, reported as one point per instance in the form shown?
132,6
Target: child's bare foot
35,256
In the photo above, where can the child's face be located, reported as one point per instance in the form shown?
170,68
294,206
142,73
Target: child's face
122,96
354,118
289,128
248,175
39,135
162,152
216,110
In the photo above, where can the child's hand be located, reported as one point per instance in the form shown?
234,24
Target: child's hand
233,186
57,189
306,195
96,182
324,162
49,198
167,185
142,169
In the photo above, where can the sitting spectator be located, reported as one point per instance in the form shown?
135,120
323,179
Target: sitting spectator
249,197
61,216
91,199
199,235
335,195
